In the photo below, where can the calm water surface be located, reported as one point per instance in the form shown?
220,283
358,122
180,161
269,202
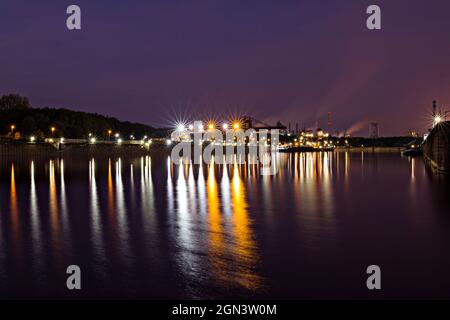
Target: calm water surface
145,228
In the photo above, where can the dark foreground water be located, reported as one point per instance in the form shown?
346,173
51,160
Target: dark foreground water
144,228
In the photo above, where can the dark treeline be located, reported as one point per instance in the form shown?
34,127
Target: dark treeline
17,111
382,142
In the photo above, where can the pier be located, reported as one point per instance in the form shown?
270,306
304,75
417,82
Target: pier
69,148
436,148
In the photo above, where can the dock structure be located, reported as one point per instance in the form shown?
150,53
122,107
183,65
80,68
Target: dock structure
436,148
74,147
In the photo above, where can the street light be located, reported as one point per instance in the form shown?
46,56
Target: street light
437,120
225,126
109,134
12,131
52,129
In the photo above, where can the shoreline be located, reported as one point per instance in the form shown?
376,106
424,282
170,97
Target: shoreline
38,150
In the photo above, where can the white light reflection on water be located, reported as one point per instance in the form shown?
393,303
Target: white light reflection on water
55,223
148,212
201,190
122,218
217,230
36,233
225,191
188,259
97,232
65,226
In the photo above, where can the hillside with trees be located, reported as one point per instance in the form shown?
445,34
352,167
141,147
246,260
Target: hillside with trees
17,111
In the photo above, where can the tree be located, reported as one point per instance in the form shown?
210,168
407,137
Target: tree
16,110
14,101
28,125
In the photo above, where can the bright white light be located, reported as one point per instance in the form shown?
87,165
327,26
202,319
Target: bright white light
93,140
181,127
191,127
62,140
168,142
32,138
437,119
225,126
119,140
116,135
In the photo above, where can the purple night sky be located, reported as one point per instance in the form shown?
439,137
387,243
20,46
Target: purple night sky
155,61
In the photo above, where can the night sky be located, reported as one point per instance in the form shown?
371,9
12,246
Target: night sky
156,61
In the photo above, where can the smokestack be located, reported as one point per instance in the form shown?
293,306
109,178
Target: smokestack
330,122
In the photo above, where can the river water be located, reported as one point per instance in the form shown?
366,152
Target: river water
146,228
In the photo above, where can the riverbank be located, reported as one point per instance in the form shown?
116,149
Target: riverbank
370,149
44,150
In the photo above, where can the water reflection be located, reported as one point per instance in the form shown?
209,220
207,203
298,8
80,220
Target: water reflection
113,229
36,235
225,192
188,259
216,237
53,201
57,245
327,190
97,237
122,218
148,199
201,190
15,221
64,209
170,198
245,248
220,212
213,230
13,206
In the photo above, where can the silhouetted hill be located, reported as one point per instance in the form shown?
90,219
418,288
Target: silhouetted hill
16,110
